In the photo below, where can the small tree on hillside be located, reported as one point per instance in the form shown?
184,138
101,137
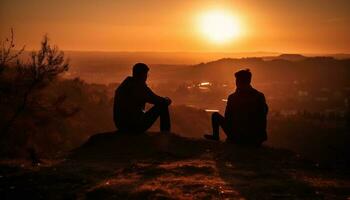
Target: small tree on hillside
20,80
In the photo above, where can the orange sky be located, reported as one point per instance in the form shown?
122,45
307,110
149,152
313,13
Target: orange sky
310,26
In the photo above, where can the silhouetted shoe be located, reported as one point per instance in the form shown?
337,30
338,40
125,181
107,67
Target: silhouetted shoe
211,137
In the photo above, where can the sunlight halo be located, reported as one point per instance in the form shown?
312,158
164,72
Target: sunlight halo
219,26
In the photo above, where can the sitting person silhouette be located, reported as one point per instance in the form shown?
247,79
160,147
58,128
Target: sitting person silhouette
129,104
245,115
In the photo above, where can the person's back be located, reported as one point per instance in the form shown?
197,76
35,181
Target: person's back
129,104
129,101
245,115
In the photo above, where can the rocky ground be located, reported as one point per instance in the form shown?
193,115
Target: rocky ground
159,166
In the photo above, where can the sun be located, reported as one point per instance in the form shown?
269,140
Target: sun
219,26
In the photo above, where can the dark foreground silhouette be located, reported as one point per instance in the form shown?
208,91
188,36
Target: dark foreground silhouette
129,104
245,117
167,166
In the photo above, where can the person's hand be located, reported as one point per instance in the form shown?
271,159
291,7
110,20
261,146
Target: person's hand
167,100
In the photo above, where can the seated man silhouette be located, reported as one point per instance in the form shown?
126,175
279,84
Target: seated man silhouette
129,104
245,115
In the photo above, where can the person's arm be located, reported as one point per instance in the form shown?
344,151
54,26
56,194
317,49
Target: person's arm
264,110
229,108
152,98
264,105
115,107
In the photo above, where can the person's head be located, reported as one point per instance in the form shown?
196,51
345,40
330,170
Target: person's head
140,71
243,78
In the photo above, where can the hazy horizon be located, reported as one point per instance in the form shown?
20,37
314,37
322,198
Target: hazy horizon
37,47
209,52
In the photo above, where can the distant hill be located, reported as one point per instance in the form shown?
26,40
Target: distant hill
336,56
290,57
283,68
296,57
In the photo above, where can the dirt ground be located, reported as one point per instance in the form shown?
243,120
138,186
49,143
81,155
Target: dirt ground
160,166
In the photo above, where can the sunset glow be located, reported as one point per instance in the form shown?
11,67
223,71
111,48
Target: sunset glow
314,26
219,26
